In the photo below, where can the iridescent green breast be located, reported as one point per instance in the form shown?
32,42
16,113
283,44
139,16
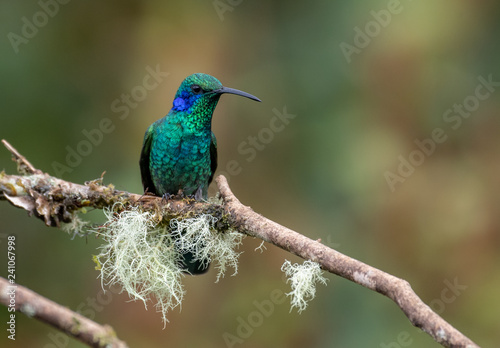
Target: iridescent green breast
180,158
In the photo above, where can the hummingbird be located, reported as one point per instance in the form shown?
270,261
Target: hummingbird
179,152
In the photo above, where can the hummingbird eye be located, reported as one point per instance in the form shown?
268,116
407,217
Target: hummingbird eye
196,89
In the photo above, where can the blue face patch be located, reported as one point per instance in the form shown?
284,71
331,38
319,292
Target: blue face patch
179,104
184,101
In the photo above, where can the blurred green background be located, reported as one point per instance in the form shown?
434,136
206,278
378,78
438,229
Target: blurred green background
323,175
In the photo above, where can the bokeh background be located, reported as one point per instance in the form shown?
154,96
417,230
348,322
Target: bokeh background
323,175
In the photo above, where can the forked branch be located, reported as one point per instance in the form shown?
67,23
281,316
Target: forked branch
55,200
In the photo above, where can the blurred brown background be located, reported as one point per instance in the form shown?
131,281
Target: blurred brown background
325,174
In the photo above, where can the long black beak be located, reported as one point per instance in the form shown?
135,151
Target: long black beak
237,92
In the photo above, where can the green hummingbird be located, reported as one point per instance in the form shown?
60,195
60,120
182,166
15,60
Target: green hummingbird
179,152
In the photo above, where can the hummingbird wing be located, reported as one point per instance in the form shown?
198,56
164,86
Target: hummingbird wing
147,181
213,158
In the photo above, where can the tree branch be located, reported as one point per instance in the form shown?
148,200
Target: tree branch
55,200
249,222
62,318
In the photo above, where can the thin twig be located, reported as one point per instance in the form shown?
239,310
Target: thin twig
62,318
24,165
55,200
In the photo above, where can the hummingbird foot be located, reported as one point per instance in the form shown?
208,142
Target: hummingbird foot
166,196
199,194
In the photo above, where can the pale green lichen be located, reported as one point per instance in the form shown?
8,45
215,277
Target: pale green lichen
198,236
261,247
140,256
215,199
143,255
77,226
303,280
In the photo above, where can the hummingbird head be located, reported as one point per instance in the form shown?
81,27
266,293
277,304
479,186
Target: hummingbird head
199,93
